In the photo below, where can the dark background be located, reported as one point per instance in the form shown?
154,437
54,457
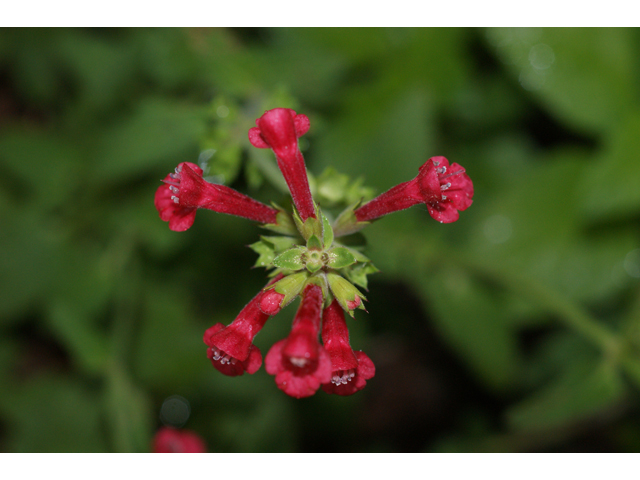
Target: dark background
516,328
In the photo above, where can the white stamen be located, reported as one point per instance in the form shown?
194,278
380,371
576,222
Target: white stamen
174,189
435,163
441,170
175,199
342,377
445,186
298,362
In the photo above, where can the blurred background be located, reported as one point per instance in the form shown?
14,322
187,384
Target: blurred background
516,328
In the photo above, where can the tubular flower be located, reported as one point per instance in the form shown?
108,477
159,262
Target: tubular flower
172,440
349,371
445,189
279,129
185,191
299,362
307,259
231,349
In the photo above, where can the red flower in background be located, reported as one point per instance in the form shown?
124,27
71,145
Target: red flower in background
172,440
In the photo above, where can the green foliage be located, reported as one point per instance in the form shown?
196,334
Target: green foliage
514,329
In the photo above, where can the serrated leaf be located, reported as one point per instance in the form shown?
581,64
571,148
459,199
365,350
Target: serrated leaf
290,259
340,257
266,253
358,274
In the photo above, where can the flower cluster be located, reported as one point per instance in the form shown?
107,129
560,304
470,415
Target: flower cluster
306,260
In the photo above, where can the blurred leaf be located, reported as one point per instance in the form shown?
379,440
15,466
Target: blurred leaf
45,162
29,262
584,76
474,322
53,414
159,130
128,410
579,393
169,352
609,186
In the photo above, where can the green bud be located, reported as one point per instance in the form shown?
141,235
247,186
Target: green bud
290,259
348,296
340,257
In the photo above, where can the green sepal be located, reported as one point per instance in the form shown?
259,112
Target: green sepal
290,259
358,274
347,223
340,257
284,223
280,244
266,253
289,286
311,226
344,292
314,243
327,232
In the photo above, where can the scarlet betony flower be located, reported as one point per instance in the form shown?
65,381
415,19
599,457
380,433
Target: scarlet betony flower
308,260
299,362
231,349
349,370
444,189
173,440
184,191
279,129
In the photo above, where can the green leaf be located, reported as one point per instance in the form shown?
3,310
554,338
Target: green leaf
290,259
340,257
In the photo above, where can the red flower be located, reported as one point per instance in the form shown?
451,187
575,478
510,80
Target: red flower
299,362
231,349
185,191
172,440
445,189
349,371
279,129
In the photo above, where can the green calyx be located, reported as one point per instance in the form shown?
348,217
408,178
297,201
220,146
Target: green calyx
310,255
